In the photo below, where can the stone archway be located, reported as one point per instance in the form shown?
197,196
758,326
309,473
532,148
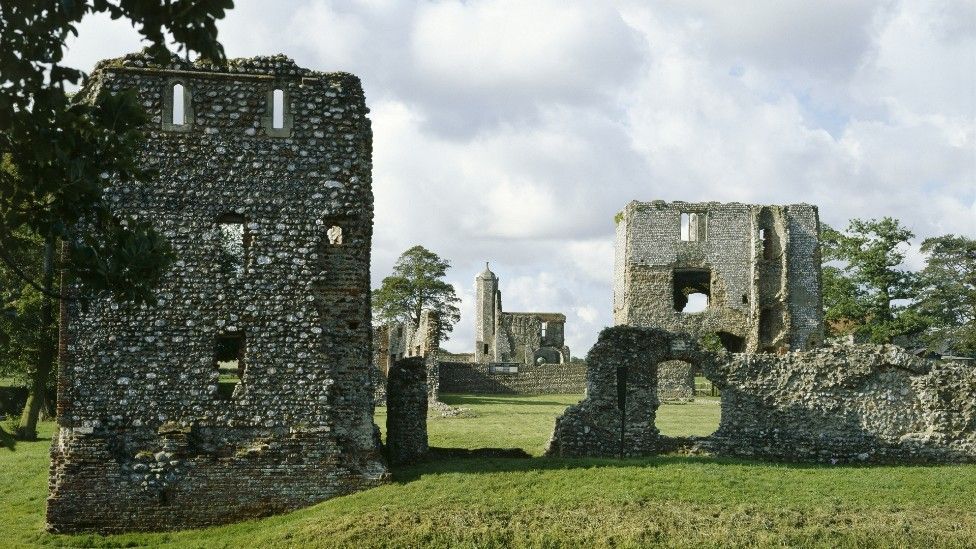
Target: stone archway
617,417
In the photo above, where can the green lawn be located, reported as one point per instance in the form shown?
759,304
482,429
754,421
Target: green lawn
675,501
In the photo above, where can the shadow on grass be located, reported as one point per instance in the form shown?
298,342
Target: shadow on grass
513,400
7,440
494,460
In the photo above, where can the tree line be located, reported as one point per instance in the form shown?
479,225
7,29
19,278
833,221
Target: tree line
869,294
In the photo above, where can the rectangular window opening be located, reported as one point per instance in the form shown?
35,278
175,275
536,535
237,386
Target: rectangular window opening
179,111
235,243
545,326
278,109
693,226
229,363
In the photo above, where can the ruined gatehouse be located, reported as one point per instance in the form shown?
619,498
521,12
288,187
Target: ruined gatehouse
244,391
756,267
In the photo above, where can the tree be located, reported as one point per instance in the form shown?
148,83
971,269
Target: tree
417,284
947,294
58,156
865,291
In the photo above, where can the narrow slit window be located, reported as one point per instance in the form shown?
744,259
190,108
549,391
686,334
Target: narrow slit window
179,109
545,326
278,109
234,243
229,363
766,237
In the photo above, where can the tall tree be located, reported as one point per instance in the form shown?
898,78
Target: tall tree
417,283
58,156
947,294
865,290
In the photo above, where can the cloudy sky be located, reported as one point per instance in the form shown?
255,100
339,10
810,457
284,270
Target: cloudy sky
512,130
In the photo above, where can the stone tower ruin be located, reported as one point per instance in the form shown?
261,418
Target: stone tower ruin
758,266
245,391
525,338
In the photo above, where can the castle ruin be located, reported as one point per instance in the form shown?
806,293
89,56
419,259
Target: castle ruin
245,391
524,338
756,267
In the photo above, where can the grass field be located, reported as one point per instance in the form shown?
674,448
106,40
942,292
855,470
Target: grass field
670,500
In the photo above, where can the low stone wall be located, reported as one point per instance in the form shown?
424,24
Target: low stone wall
406,415
616,419
856,403
875,403
535,379
675,381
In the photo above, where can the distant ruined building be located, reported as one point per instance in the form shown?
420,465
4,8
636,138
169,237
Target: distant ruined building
757,266
525,338
246,390
395,341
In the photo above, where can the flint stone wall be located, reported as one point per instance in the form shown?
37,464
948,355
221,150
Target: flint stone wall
534,379
760,267
406,417
145,441
617,416
398,340
875,403
675,381
865,403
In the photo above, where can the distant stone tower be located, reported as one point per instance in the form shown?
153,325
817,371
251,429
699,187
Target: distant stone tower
486,296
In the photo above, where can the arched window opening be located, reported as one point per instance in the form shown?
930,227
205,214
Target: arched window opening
692,290
179,107
278,109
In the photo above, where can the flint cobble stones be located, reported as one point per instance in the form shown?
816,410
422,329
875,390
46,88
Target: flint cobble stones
145,441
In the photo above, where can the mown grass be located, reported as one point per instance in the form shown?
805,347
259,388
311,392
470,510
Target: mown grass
670,500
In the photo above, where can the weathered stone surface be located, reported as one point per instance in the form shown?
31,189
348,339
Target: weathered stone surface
398,340
146,441
617,416
525,338
406,413
519,379
875,403
758,265
863,403
675,381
